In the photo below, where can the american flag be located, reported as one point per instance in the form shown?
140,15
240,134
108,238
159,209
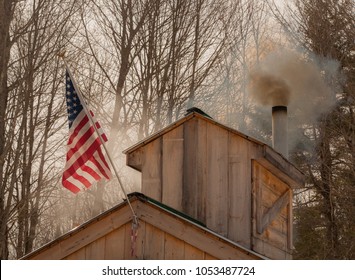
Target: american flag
85,163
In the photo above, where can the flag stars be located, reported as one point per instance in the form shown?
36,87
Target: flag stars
74,106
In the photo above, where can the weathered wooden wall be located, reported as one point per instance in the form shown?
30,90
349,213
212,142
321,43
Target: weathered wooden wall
203,170
206,170
272,214
151,244
161,234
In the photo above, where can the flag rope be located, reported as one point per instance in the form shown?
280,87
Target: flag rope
135,218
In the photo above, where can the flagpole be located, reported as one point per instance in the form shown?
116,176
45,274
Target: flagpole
83,103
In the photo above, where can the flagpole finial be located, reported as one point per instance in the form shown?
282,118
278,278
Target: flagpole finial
61,54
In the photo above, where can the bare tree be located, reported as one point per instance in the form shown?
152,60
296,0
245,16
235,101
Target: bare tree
325,28
139,63
6,16
29,119
249,38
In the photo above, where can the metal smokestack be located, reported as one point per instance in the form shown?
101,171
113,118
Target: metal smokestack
280,130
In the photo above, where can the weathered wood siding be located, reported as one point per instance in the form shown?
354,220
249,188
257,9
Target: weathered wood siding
239,188
205,170
161,235
272,216
152,244
173,157
194,169
152,166
217,189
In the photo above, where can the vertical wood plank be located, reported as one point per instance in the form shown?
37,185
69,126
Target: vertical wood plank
95,250
174,248
217,182
172,168
153,243
259,201
195,169
151,170
190,168
239,197
114,244
139,246
201,169
257,244
127,243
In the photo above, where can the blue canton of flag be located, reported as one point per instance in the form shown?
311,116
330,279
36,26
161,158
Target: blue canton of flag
74,106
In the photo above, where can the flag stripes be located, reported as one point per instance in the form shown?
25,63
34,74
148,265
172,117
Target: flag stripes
85,163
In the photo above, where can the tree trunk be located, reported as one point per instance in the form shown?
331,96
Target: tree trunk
326,188
6,15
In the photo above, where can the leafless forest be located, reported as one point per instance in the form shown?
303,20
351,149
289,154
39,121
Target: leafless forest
140,65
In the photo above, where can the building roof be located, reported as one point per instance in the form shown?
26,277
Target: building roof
187,117
149,211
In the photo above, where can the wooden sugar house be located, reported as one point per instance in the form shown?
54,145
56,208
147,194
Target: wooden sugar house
238,187
208,192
